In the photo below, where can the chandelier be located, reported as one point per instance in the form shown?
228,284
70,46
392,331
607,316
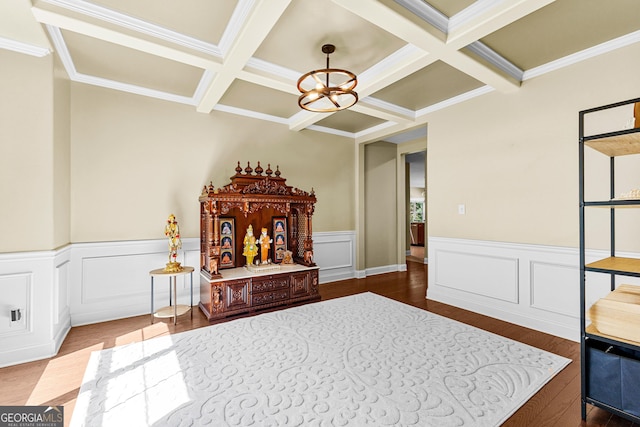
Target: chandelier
329,89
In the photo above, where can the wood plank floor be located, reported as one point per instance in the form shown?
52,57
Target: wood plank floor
56,381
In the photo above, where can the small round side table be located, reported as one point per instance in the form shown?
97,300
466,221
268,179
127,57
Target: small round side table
174,309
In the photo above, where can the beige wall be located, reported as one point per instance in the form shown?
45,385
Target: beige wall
512,159
380,204
135,160
27,162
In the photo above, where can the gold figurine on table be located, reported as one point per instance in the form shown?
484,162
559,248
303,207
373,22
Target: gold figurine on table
250,248
172,231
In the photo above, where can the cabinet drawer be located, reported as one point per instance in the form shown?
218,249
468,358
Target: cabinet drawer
269,283
269,297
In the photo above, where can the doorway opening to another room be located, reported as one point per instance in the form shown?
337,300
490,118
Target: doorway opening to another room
415,164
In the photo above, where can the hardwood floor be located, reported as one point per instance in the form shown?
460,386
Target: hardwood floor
56,381
416,254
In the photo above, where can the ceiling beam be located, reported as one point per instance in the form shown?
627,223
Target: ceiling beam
304,118
256,27
486,17
76,25
381,113
391,21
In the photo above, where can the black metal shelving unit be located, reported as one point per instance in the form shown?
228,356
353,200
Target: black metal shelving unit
602,355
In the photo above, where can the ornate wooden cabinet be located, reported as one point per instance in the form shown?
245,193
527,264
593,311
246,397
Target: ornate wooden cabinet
242,291
260,199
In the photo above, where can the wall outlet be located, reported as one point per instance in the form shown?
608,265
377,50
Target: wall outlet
462,209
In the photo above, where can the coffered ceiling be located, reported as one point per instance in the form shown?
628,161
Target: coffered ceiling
245,56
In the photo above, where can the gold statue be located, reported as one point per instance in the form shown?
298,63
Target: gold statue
265,245
250,248
172,231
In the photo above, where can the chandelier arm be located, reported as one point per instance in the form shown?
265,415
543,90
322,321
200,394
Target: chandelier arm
353,79
316,78
311,101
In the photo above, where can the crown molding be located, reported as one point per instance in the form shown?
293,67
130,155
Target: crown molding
331,131
448,25
376,128
249,113
273,69
25,48
137,90
427,13
499,61
591,52
453,101
61,49
67,62
138,25
477,8
384,105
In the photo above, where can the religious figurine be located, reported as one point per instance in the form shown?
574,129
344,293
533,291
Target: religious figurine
172,231
250,248
288,257
265,245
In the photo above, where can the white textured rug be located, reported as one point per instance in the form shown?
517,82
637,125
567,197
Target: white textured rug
357,360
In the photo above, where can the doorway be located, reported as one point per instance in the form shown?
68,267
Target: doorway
415,164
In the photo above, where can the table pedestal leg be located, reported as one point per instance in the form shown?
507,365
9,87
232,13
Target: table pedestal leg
152,313
175,300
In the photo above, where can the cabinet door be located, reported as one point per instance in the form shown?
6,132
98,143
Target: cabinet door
299,284
237,294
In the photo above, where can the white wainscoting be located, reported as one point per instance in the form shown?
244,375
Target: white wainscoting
335,254
110,280
530,285
86,283
37,284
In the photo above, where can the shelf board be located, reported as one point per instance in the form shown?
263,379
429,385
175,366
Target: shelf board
591,330
165,312
616,203
617,145
616,264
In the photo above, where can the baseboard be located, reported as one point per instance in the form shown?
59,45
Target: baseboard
563,330
328,276
27,354
385,269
